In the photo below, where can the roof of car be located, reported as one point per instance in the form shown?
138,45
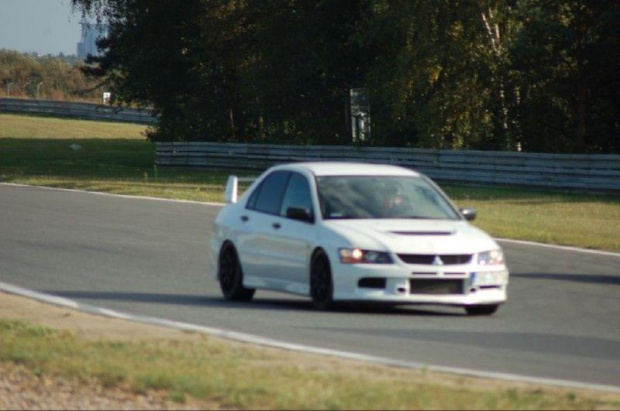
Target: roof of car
350,169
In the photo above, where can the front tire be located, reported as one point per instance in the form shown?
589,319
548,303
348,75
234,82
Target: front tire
482,309
321,283
230,276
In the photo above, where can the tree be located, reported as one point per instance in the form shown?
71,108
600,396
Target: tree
232,70
442,76
44,77
484,74
303,68
568,56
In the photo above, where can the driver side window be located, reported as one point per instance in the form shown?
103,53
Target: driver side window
297,195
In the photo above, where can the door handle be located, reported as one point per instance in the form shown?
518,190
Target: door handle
244,218
277,226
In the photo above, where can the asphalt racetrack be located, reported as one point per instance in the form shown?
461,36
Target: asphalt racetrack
146,257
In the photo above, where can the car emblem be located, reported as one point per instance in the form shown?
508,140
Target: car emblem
437,261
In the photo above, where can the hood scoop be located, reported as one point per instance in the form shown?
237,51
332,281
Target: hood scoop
424,233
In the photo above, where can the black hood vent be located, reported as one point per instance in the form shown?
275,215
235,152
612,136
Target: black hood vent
424,233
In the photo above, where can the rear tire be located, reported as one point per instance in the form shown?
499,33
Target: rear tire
321,284
230,276
482,309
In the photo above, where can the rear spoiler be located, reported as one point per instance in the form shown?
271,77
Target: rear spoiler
232,187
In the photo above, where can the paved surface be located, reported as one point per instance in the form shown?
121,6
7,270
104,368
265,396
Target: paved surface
150,258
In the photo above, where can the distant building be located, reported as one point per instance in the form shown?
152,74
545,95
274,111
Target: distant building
91,32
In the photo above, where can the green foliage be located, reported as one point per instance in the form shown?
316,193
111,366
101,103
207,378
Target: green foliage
57,78
567,56
441,76
486,74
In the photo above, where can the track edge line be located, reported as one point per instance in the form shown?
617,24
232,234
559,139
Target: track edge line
268,342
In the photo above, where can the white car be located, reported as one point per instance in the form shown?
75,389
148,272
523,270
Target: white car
355,232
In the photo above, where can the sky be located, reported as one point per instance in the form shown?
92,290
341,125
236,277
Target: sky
42,26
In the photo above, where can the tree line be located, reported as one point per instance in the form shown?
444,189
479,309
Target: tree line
481,74
47,77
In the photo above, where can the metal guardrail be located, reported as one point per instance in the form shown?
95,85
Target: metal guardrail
88,111
598,172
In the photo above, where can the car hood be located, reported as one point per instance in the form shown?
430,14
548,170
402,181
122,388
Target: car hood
411,236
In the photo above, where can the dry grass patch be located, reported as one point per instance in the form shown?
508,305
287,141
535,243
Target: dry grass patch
29,127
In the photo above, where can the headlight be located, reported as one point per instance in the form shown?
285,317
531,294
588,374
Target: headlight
357,256
494,257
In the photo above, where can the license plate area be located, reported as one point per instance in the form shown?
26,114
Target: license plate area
431,286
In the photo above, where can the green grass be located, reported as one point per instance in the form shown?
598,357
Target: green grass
110,165
234,375
582,220
112,157
116,158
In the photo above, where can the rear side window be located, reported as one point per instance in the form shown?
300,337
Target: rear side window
268,196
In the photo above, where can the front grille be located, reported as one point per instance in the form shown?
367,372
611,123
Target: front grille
430,259
436,287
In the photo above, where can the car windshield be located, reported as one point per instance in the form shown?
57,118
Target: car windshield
370,197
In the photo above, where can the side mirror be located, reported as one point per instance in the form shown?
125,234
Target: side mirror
468,213
299,214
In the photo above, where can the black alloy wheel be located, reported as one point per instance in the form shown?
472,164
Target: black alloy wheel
321,284
488,309
230,276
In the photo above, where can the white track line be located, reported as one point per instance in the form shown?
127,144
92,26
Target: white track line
559,247
214,204
254,339
99,193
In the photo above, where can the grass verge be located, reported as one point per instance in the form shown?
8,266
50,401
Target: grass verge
116,158
573,219
239,376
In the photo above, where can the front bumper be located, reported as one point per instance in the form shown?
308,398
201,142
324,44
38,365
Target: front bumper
406,284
